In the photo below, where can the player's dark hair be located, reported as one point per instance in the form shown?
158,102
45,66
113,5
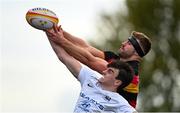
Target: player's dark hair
125,72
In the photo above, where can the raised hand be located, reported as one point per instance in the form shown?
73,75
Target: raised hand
55,34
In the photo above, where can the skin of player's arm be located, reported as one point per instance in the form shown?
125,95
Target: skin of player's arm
80,42
71,63
84,56
77,52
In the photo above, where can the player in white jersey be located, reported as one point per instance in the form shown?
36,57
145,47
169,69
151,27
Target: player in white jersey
99,93
94,98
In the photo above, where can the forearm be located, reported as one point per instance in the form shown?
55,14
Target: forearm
72,64
77,52
75,40
84,56
61,54
81,43
56,38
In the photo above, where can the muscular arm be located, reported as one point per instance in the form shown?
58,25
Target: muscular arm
84,56
79,42
78,52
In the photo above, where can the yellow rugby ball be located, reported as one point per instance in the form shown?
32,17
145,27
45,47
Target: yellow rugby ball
41,18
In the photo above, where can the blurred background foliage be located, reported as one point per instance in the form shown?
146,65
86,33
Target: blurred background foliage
160,69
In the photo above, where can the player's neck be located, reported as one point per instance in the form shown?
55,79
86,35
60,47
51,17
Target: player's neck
108,88
132,58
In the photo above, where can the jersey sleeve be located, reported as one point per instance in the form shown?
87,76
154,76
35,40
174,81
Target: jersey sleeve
86,73
127,109
125,106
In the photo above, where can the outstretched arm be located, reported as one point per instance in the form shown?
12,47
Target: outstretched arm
81,43
77,52
72,64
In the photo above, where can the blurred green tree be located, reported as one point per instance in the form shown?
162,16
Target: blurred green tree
160,70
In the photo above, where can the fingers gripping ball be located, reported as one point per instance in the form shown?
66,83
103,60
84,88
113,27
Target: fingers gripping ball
41,18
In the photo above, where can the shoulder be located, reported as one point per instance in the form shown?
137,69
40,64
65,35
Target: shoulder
124,105
87,73
135,65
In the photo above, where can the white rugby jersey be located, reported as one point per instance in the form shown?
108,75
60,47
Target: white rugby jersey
93,98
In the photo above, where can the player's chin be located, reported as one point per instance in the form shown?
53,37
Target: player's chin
101,80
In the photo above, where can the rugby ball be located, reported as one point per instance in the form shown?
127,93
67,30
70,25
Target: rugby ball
41,18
